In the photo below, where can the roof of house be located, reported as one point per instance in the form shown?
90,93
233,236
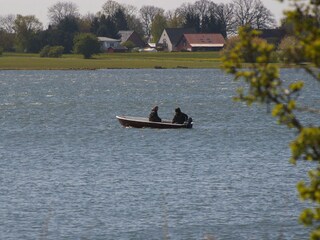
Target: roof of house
205,39
175,34
269,33
106,39
125,35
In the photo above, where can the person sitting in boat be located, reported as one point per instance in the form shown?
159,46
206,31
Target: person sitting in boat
153,117
179,117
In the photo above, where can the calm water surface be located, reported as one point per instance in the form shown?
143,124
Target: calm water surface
68,170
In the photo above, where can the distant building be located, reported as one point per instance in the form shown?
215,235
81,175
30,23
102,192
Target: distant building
273,36
111,45
201,42
171,36
133,37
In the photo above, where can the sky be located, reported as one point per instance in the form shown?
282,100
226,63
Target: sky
39,8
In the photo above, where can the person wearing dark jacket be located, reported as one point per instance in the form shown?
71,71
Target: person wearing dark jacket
179,117
153,117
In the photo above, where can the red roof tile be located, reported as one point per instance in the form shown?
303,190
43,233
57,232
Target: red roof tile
207,39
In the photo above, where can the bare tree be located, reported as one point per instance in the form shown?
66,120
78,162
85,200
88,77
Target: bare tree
203,8
7,23
264,18
225,13
185,9
190,16
110,7
204,16
174,19
147,14
60,10
130,10
134,22
25,24
252,13
7,32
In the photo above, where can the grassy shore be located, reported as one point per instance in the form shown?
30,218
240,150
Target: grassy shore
14,61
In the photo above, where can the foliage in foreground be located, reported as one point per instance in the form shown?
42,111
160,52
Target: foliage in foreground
266,86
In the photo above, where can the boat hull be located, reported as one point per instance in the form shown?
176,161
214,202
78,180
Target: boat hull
138,122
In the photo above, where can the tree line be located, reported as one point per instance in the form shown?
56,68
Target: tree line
27,34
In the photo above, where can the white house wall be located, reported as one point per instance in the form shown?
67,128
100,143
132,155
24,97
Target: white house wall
165,38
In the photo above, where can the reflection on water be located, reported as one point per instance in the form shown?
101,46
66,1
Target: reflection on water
70,171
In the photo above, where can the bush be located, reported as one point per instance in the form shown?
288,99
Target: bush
129,44
44,51
247,56
231,43
56,51
290,50
86,44
53,52
1,51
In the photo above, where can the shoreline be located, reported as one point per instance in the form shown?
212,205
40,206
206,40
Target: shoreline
158,60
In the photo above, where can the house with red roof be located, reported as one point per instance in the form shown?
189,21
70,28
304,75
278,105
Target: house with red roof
201,42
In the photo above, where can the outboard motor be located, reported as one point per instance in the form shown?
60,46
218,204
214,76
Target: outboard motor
190,122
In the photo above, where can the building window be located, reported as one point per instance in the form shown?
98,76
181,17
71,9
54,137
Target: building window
165,43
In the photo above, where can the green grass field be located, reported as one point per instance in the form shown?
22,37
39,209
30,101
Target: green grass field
14,61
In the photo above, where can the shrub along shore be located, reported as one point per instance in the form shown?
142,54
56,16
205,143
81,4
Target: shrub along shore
23,61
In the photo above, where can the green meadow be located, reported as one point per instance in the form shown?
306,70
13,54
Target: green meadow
15,61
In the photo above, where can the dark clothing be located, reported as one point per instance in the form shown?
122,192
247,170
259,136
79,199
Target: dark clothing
153,117
180,118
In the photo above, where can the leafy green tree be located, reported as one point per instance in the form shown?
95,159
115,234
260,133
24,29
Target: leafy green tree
7,40
123,16
61,34
65,32
85,22
212,24
26,29
86,44
135,24
266,86
147,14
174,19
104,27
119,18
159,23
192,20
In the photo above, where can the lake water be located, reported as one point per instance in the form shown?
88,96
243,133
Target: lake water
68,170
